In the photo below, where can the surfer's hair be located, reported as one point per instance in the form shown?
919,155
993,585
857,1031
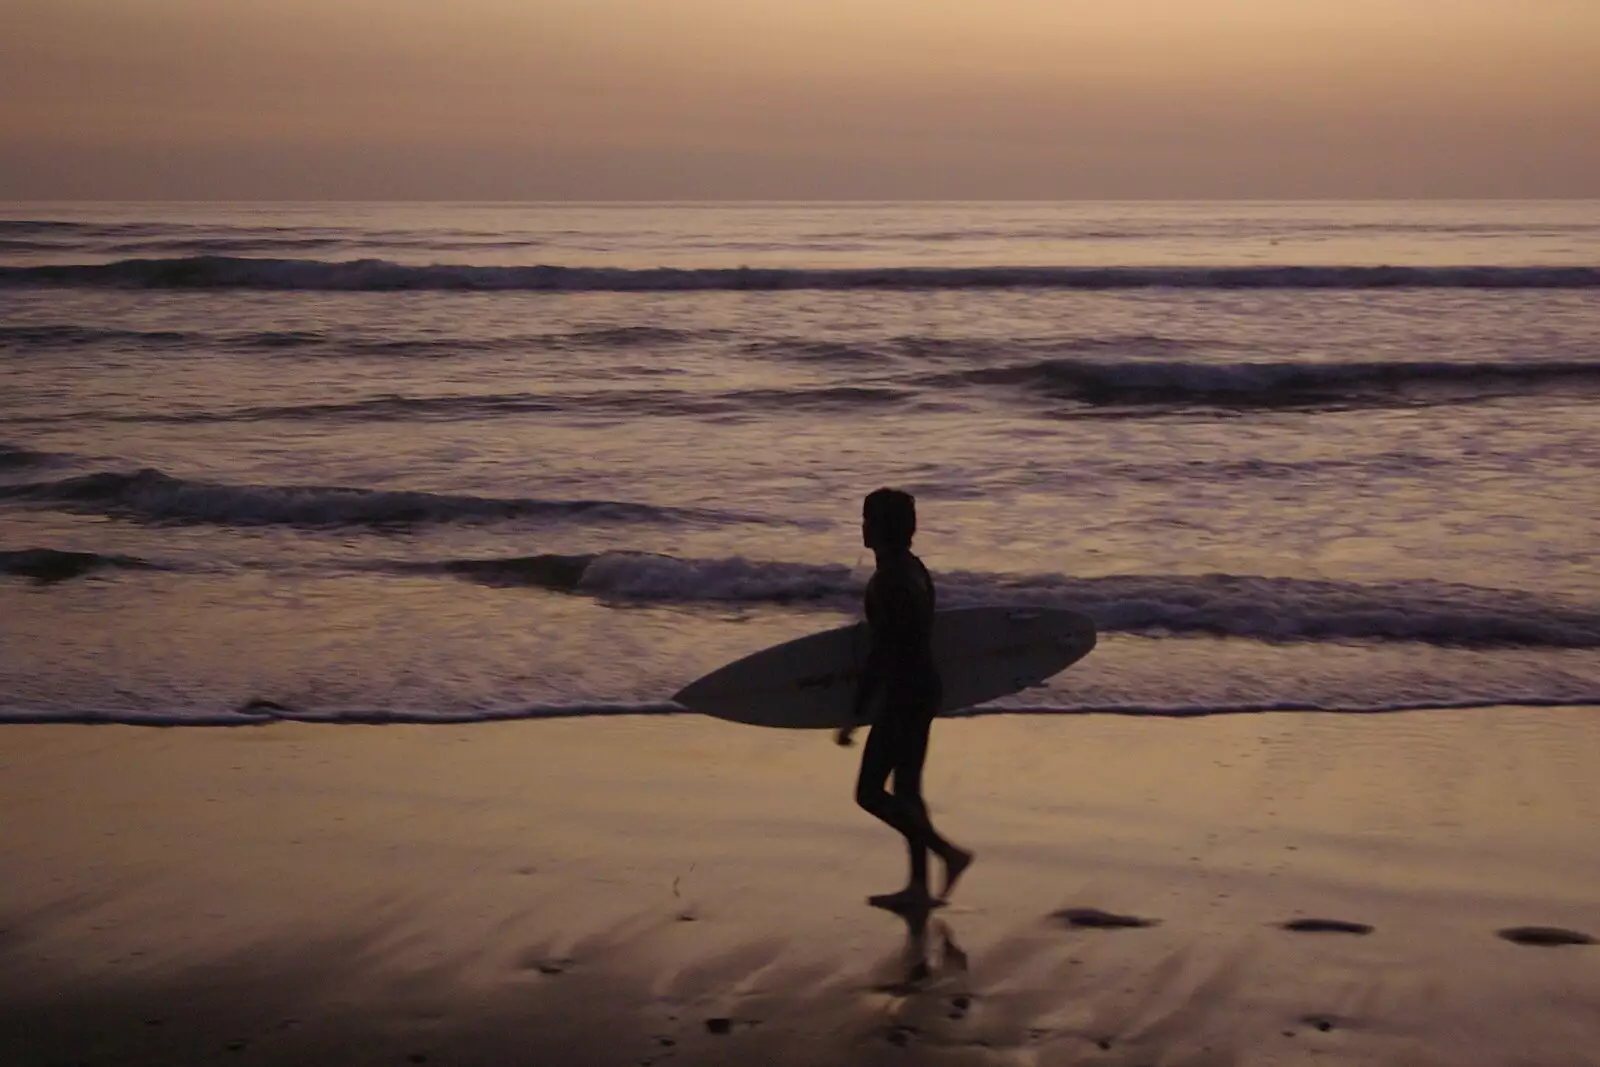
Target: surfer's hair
892,514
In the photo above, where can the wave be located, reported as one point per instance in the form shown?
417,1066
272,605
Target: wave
224,239
249,244
795,349
228,272
245,244
11,246
49,565
266,712
1273,384
821,398
40,226
617,337
149,495
1390,464
382,409
71,336
17,458
606,402
62,335
1258,608
51,336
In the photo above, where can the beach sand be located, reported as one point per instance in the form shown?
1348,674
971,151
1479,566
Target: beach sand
676,890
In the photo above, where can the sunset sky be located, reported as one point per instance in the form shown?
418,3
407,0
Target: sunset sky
798,99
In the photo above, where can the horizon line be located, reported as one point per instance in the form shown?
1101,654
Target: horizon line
778,201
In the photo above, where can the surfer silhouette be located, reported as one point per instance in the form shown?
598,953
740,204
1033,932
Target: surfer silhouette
900,601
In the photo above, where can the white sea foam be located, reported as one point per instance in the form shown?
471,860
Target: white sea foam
153,496
1260,608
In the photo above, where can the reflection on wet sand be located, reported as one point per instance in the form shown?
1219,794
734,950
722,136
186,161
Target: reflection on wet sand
923,961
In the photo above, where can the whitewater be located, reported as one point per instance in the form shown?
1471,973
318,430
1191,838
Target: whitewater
385,463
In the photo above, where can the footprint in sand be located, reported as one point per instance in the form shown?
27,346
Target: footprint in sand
1544,936
546,964
1322,1023
1095,919
1324,926
901,1035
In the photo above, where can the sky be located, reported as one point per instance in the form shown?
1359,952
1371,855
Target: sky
798,99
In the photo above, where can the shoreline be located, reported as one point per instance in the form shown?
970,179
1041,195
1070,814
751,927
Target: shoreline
631,891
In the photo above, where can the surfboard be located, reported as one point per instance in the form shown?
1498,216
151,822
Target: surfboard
982,653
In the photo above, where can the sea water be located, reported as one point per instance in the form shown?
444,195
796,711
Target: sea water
416,462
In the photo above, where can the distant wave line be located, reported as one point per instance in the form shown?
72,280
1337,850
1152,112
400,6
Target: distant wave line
1277,383
376,275
72,336
46,566
1088,388
150,495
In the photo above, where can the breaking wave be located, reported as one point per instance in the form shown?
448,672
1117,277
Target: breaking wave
16,458
69,336
149,495
50,565
1271,384
603,402
1111,389
1258,608
233,272
39,226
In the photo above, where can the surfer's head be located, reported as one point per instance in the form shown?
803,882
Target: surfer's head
888,519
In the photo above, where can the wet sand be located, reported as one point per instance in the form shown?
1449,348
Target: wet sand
1252,889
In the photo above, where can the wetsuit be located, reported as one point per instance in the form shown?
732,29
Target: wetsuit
900,602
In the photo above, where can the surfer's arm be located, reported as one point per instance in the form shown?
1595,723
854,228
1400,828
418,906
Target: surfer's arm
894,627
867,683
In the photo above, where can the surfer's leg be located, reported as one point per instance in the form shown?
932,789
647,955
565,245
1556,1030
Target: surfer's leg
908,789
877,763
911,754
881,758
918,852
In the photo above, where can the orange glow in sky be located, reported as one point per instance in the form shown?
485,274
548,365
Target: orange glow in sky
798,99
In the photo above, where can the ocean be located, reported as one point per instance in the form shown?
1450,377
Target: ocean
376,463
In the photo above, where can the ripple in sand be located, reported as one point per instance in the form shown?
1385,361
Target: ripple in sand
1095,919
1544,936
1325,926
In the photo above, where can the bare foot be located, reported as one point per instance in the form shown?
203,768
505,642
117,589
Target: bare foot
957,861
908,899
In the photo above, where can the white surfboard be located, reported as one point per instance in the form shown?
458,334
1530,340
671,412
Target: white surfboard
809,683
